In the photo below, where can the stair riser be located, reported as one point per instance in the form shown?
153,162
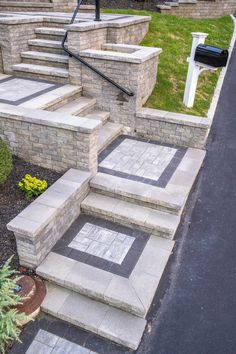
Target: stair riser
156,206
126,222
52,37
46,49
60,104
54,24
45,63
41,77
94,295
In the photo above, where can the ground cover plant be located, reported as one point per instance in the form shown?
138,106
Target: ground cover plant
173,35
5,162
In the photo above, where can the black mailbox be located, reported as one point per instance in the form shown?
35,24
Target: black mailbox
213,56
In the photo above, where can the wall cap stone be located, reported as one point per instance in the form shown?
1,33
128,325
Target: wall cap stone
41,211
140,55
52,119
118,23
172,117
16,20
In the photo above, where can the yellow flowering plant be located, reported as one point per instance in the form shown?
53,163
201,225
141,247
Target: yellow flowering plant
32,186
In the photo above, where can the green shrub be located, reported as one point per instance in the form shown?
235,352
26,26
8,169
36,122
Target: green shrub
5,162
10,318
32,186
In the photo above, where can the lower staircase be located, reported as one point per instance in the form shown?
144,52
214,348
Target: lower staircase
97,299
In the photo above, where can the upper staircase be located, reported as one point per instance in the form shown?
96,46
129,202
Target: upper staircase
45,58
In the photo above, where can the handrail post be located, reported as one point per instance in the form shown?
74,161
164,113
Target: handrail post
97,10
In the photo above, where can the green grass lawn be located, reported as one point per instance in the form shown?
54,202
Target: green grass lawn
173,35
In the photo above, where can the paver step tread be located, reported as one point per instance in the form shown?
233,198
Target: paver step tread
103,116
45,43
41,69
137,191
75,107
25,4
154,221
106,321
107,134
45,56
50,31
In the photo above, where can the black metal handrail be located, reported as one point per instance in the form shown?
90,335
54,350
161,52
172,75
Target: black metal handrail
82,61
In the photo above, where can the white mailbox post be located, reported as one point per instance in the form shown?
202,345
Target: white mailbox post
194,70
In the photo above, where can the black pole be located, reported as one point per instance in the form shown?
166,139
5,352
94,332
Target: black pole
97,10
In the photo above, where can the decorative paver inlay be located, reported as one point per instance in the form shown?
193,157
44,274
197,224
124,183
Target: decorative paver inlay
52,330
103,244
139,160
48,343
16,91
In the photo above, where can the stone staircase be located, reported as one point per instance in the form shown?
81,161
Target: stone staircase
45,59
110,305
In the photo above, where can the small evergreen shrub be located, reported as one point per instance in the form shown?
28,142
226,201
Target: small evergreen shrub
32,186
10,318
5,162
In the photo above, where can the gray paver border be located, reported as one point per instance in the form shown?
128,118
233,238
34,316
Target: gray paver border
125,268
166,174
34,95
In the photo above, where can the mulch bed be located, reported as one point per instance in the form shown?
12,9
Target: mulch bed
13,201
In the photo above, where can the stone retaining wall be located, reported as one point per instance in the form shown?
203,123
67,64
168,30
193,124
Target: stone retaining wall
203,9
38,227
53,140
172,128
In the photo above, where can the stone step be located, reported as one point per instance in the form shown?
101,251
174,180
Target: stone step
53,99
98,115
51,31
41,71
106,321
107,134
124,293
24,6
129,214
136,192
76,107
42,58
46,45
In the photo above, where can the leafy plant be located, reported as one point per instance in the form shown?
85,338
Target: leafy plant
5,162
10,318
32,186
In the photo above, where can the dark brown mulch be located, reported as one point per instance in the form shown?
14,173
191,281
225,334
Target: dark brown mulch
13,201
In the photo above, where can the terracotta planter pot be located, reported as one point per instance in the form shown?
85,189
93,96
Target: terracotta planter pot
32,291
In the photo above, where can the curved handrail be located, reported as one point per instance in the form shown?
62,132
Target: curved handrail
82,61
